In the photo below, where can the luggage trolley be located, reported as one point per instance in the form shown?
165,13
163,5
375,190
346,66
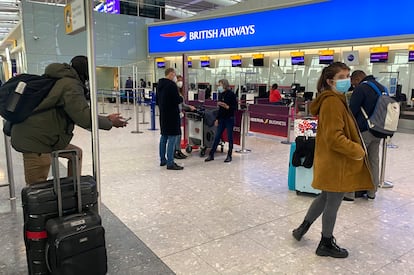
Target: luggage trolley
201,130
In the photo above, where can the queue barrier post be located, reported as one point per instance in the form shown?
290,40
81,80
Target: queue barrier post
137,131
127,99
289,125
9,163
382,182
243,132
152,104
117,100
142,106
102,93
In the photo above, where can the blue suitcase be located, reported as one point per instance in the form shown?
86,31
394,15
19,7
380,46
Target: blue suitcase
303,178
292,169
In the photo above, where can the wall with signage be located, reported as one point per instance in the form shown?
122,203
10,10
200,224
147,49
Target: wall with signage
120,39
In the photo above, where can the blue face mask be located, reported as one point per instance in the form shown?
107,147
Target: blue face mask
343,85
220,89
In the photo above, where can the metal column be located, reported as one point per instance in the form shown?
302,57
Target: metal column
94,104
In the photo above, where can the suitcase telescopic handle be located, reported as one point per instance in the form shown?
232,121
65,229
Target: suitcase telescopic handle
76,177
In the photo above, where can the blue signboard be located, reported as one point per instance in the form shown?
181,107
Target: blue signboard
333,20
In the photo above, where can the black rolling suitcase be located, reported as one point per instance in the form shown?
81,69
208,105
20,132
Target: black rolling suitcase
40,204
76,242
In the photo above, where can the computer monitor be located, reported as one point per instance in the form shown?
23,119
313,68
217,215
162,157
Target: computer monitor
258,62
236,63
378,57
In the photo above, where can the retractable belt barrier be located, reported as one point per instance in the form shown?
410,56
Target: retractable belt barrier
272,120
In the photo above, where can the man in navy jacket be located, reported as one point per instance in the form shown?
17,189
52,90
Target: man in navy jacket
366,97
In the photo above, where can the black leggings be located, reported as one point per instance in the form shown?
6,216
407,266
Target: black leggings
327,203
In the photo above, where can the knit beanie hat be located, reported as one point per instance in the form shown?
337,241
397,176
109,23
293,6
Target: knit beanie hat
80,64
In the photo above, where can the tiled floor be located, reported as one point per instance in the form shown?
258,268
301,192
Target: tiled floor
236,218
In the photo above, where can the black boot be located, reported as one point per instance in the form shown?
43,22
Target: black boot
301,230
328,247
228,159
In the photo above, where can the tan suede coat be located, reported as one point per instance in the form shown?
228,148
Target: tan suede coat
340,163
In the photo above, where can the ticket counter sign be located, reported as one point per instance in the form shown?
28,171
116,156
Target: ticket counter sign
269,119
74,16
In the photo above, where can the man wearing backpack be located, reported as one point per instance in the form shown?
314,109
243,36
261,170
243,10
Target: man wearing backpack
51,126
366,97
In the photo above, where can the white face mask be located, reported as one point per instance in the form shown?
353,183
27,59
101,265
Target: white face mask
175,79
179,84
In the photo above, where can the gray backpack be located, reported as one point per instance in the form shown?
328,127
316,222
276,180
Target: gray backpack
383,121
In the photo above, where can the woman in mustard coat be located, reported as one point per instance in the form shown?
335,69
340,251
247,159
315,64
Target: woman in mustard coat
340,163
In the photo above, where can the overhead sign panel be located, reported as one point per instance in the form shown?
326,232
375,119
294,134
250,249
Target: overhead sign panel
311,25
74,16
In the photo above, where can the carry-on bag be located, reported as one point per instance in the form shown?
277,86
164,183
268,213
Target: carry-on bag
40,204
75,243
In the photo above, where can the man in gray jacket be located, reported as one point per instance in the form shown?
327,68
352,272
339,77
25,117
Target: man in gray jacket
51,127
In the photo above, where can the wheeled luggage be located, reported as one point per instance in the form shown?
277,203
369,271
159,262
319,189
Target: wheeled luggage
40,204
292,169
303,160
75,243
303,181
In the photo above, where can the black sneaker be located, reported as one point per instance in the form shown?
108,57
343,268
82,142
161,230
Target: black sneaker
175,166
178,155
183,156
163,163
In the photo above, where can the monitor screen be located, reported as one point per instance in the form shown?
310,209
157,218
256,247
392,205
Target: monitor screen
411,56
298,60
258,62
378,57
205,63
326,59
190,64
109,6
160,64
236,62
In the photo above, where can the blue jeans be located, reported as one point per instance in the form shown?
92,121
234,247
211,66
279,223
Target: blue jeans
178,143
228,124
167,148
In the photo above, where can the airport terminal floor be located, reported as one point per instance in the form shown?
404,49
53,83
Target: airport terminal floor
219,218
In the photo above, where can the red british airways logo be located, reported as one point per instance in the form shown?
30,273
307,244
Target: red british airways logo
182,35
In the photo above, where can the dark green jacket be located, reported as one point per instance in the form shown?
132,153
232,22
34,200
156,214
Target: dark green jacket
65,106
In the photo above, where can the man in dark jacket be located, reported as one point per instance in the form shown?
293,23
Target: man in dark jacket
168,100
51,128
366,97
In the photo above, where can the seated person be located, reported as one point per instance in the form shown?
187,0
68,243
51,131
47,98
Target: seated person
274,95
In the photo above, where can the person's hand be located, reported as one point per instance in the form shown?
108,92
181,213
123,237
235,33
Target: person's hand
117,120
192,108
222,104
216,122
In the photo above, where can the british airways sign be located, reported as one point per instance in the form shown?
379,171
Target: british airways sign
327,21
211,33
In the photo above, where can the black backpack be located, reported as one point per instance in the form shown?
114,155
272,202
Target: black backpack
18,104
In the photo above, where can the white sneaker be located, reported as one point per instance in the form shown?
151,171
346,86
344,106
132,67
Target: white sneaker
386,184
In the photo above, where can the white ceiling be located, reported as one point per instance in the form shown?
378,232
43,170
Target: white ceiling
9,10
